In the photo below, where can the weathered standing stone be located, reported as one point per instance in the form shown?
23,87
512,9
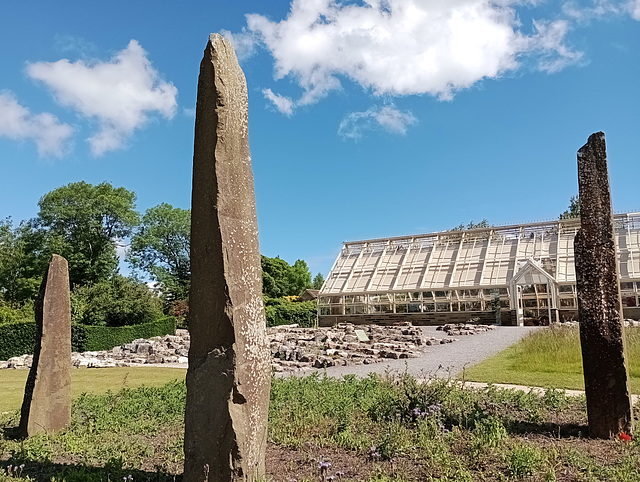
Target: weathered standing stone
599,306
228,379
47,396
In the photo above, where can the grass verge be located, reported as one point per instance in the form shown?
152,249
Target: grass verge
549,358
89,380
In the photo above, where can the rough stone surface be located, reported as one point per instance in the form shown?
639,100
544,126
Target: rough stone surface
599,306
228,379
47,398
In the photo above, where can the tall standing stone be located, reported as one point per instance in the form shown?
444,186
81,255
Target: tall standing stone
228,379
599,306
47,397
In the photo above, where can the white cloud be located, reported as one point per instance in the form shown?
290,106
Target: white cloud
282,103
244,43
401,47
120,95
554,55
16,122
584,12
386,117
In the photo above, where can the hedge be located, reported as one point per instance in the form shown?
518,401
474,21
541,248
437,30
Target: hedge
303,313
19,338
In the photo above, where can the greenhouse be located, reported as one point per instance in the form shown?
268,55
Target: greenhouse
519,274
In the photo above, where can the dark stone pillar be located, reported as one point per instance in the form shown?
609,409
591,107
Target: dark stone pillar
228,379
599,306
47,397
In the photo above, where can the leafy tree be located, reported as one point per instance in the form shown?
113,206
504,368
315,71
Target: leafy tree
299,277
160,248
119,301
82,222
280,279
318,281
275,281
574,209
462,227
20,271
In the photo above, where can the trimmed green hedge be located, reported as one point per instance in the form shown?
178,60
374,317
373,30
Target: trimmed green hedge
20,337
304,313
17,338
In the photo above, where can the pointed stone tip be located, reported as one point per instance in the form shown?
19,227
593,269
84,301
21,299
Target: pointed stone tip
218,42
215,37
593,138
596,136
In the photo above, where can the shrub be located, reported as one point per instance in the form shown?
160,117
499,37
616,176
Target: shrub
94,338
19,338
120,301
280,311
9,313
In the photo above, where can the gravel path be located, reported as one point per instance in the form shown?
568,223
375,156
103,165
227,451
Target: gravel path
441,360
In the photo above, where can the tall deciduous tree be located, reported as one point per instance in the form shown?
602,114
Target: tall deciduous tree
281,279
299,277
20,269
160,248
318,281
82,222
574,209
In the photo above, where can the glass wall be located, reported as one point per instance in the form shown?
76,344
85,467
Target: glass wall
415,302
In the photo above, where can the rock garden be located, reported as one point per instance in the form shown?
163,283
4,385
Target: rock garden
292,348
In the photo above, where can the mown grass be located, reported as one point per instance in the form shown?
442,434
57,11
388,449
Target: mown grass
88,380
549,358
379,429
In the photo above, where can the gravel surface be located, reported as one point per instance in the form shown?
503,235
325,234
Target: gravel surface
440,360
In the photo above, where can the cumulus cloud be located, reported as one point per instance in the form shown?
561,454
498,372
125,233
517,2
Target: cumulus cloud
634,8
402,47
387,117
244,42
17,123
282,103
119,95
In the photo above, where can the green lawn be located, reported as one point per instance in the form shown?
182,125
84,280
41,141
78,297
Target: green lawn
549,358
89,380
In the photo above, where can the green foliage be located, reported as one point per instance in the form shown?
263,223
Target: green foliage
20,273
115,434
19,338
574,209
318,281
23,312
471,225
160,247
524,460
280,279
94,338
82,222
280,311
119,301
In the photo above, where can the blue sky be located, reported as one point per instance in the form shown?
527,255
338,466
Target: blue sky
367,119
